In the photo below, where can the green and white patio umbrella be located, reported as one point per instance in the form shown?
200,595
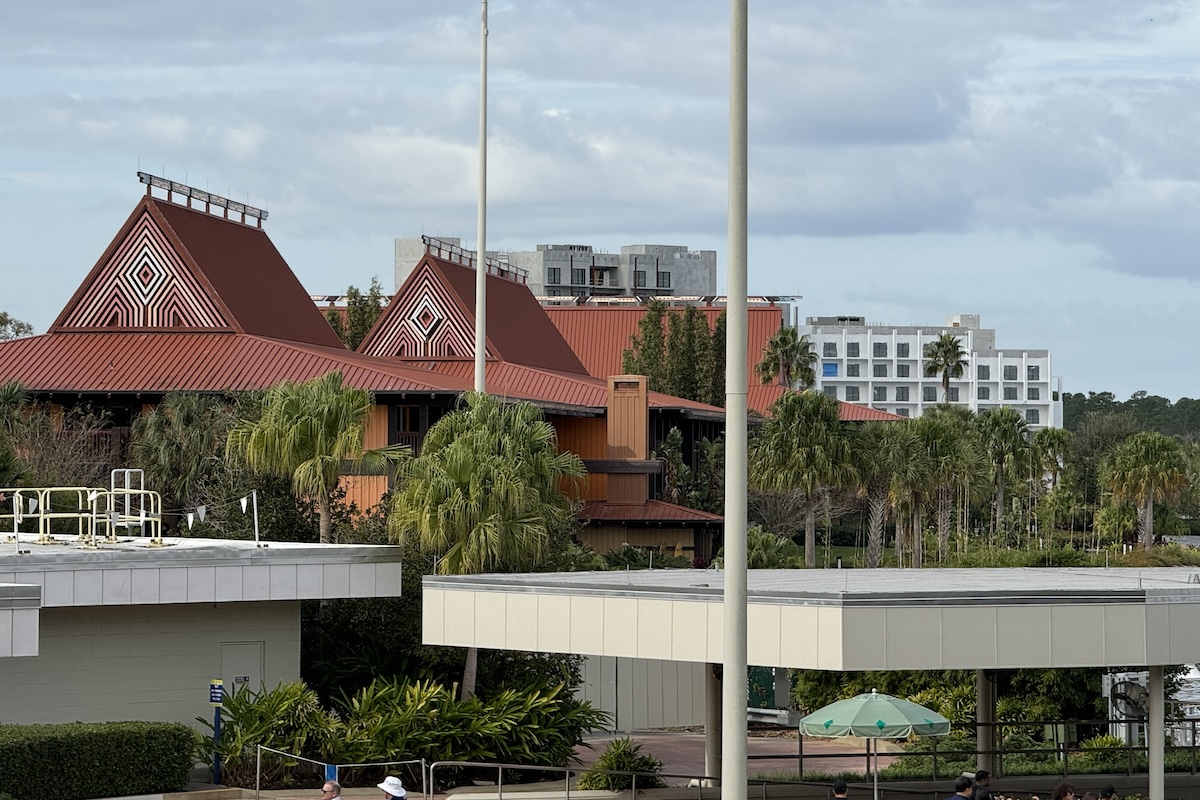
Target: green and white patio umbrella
874,716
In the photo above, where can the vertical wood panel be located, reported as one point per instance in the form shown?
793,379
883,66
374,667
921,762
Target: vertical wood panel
376,435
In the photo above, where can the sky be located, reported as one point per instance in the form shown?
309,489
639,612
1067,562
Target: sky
1036,162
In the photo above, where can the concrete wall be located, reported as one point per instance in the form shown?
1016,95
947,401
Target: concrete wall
640,694
147,662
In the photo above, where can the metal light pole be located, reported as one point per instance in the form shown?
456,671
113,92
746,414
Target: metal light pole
733,722
481,214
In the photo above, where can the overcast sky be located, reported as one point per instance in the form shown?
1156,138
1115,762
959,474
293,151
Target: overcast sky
1033,161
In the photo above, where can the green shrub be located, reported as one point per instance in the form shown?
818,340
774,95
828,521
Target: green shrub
83,760
622,755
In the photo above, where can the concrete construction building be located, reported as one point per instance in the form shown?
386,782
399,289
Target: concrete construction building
882,365
578,270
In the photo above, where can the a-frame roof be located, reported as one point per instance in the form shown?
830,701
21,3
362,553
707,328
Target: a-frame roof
178,269
432,316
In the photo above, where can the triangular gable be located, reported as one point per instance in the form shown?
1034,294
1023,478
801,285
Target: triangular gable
434,313
425,320
144,281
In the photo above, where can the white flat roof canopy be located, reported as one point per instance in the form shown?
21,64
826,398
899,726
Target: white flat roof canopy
842,620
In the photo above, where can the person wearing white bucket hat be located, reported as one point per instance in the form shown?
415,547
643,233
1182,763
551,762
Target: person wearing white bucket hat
392,787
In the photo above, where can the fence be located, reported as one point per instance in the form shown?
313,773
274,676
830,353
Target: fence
323,771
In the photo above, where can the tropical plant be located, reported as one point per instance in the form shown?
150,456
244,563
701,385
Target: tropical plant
307,431
485,493
1002,435
882,453
621,766
179,444
1145,468
954,462
803,449
647,353
945,357
789,358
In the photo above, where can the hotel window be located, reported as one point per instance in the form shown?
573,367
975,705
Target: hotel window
902,370
983,393
851,349
880,350
664,280
929,394
829,369
852,370
901,394
983,372
830,391
554,275
953,394
852,394
639,278
1033,372
902,412
1033,393
879,394
1010,393
902,350
1032,416
879,370
578,276
829,349
1010,372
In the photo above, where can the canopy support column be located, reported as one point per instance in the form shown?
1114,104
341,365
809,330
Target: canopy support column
1155,734
712,722
985,716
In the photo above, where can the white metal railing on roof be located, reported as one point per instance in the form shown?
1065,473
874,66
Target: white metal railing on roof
95,515
459,255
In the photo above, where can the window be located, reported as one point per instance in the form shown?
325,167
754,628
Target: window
829,349
879,370
902,412
879,394
553,274
830,391
983,393
901,394
851,349
880,350
578,276
1033,393
983,372
1010,393
664,280
929,394
852,394
902,350
1032,416
1010,372
829,369
902,370
639,278
852,370
1033,372
953,394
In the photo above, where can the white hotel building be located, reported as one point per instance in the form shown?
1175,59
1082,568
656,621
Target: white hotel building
882,366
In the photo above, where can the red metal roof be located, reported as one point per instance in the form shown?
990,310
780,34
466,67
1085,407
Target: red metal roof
760,399
233,266
530,383
599,334
203,362
650,511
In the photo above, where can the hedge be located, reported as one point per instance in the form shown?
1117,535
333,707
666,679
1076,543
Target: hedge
83,760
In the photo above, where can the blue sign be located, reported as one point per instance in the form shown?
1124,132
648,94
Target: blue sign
216,693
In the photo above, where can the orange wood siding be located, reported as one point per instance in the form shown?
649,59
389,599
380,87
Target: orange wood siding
365,491
605,538
377,429
586,437
628,435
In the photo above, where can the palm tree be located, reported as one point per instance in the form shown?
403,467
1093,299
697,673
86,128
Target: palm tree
945,356
1146,467
485,492
803,449
1051,446
1003,436
882,458
788,357
955,461
306,432
179,443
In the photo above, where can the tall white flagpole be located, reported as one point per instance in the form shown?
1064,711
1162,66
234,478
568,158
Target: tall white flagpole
733,738
481,218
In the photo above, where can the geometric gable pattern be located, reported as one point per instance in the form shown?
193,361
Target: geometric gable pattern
423,321
145,284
